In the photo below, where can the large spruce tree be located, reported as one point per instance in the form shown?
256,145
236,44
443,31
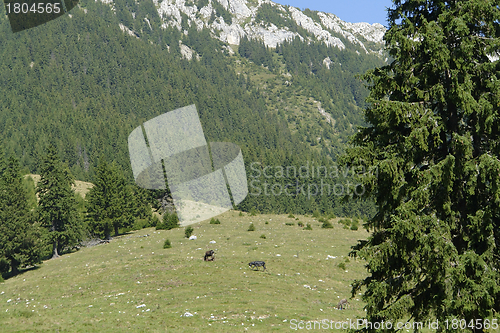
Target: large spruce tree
110,202
20,243
434,137
57,208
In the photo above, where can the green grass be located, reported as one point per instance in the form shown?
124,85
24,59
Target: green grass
100,288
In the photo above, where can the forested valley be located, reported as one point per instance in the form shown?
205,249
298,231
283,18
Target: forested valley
73,90
81,84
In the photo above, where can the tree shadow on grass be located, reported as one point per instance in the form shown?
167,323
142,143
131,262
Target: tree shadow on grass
11,274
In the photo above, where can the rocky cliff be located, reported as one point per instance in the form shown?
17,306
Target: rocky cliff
231,20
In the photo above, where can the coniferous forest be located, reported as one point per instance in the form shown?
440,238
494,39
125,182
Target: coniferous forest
81,85
414,153
73,90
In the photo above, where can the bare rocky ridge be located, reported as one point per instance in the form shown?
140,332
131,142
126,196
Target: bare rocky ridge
329,29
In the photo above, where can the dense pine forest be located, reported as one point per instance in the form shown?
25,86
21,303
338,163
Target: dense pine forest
81,85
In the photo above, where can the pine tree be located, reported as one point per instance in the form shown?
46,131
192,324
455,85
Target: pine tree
434,139
57,208
110,203
20,244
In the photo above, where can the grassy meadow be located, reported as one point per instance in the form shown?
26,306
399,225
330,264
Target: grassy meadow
134,284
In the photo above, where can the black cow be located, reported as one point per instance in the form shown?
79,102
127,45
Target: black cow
209,255
257,264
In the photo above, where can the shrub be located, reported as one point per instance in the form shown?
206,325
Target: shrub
188,231
308,227
167,244
331,216
253,211
251,227
300,224
267,222
1,278
263,236
322,219
241,214
154,220
354,226
326,225
341,266
290,223
291,216
170,221
316,214
345,222
214,221
140,224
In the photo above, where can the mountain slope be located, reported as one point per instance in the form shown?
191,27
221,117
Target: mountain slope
84,81
133,283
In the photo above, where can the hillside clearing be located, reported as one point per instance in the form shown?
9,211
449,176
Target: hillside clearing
80,187
134,283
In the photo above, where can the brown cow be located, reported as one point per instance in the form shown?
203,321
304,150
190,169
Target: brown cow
342,304
209,255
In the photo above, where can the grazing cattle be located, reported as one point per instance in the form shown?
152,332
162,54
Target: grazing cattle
209,255
342,304
257,264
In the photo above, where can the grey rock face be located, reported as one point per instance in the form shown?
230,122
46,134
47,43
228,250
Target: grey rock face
329,29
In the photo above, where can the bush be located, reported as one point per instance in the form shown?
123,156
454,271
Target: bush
316,214
263,236
251,227
253,211
241,214
331,216
140,224
214,221
354,226
291,216
322,220
267,222
154,220
345,222
1,278
188,231
300,224
167,244
326,225
308,227
170,221
341,266
290,223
